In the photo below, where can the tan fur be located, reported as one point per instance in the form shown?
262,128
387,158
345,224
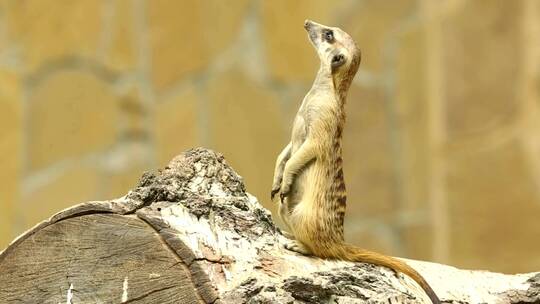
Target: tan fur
309,171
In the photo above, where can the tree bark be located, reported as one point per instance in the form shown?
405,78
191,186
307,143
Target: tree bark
191,234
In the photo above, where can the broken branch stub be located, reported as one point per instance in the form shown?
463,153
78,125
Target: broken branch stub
191,234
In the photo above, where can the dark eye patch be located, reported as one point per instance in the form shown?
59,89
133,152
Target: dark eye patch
328,35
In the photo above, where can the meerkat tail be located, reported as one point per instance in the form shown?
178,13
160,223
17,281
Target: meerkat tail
356,254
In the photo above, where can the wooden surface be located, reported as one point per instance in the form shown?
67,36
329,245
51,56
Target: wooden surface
191,234
98,258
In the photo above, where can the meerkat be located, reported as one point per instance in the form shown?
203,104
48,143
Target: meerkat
309,171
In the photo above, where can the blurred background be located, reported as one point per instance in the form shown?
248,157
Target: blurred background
442,143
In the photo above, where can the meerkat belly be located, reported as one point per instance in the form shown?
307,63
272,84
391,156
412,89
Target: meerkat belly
300,186
312,213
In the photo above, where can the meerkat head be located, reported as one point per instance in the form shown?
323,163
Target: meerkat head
336,49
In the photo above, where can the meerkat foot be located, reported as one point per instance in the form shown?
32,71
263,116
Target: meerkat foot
296,246
288,235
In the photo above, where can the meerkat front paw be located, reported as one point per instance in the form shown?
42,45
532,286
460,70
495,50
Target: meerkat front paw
296,246
275,189
285,191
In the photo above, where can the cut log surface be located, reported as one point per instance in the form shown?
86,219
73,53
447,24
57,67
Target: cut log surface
191,234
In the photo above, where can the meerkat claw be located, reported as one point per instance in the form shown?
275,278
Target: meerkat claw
285,190
273,193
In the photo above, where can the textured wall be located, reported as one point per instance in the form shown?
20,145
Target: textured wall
442,145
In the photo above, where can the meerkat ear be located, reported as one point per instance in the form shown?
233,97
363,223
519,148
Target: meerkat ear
337,61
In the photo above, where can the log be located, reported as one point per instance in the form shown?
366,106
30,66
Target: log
190,233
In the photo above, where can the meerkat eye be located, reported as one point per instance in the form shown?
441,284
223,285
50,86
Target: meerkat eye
329,36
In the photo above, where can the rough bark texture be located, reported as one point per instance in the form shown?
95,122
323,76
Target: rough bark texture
191,234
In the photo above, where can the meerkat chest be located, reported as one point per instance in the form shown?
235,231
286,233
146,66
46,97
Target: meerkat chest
299,132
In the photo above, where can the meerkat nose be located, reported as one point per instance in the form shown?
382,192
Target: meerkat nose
307,24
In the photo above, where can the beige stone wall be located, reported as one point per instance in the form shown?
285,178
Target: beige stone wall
442,146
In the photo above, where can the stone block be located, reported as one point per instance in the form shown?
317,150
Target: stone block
133,124
374,25
10,149
410,106
185,36
121,53
291,56
46,31
417,240
494,206
70,113
176,124
79,183
246,126
119,182
371,234
369,164
481,45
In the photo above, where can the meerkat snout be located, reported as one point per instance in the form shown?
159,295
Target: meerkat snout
307,24
312,31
